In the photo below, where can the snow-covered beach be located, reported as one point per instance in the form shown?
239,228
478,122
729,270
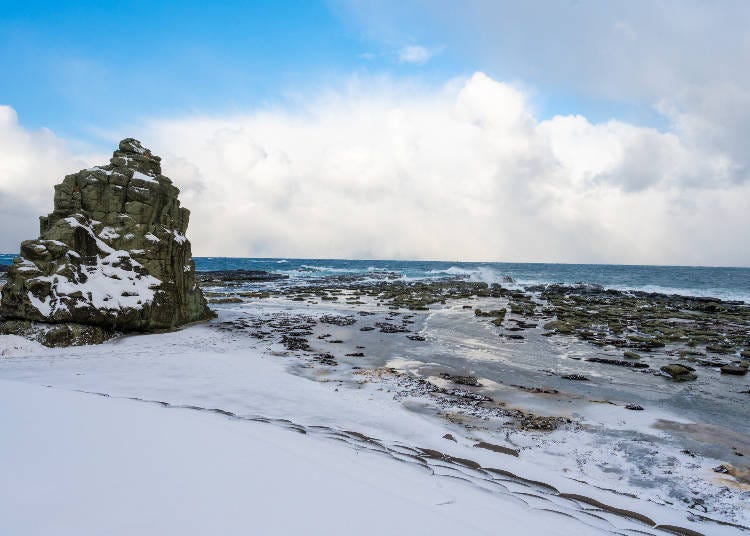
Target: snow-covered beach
213,429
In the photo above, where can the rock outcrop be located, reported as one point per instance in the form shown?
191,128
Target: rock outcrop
112,253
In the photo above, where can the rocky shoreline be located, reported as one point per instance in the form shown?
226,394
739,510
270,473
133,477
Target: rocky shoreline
526,371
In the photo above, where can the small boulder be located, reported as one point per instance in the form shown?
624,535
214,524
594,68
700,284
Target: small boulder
734,370
679,373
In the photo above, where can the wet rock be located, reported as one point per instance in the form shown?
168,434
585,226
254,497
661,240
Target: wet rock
719,349
355,354
295,343
415,338
366,328
559,326
450,437
326,359
734,370
461,380
634,407
228,299
537,390
387,327
513,336
679,372
617,362
338,320
240,276
723,469
576,377
631,355
496,448
462,393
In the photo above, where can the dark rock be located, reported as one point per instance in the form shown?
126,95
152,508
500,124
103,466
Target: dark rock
576,377
326,359
634,407
295,343
238,275
734,370
617,362
496,448
112,253
461,380
386,327
338,320
415,338
679,372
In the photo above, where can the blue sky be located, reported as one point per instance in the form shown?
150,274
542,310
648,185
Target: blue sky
81,67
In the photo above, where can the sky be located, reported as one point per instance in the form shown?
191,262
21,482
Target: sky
544,131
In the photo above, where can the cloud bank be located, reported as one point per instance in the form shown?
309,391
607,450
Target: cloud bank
460,172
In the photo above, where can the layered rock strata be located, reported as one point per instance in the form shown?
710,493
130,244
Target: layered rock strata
113,252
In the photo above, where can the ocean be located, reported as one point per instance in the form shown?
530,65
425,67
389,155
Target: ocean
718,282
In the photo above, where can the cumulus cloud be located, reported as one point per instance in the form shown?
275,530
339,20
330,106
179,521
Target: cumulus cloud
459,172
689,59
30,164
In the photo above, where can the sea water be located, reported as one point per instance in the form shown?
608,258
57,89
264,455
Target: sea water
719,282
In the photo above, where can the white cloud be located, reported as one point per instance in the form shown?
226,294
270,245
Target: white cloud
688,58
30,164
460,172
415,54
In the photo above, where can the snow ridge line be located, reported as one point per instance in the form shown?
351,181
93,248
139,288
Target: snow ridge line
535,494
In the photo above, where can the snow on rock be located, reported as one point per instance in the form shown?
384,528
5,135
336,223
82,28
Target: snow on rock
112,253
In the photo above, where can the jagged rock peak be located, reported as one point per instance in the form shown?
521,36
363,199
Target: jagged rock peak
113,252
133,155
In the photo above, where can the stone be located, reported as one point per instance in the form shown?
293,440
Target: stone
112,253
471,381
679,372
734,370
576,377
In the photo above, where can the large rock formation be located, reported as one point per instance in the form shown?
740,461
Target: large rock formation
112,253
